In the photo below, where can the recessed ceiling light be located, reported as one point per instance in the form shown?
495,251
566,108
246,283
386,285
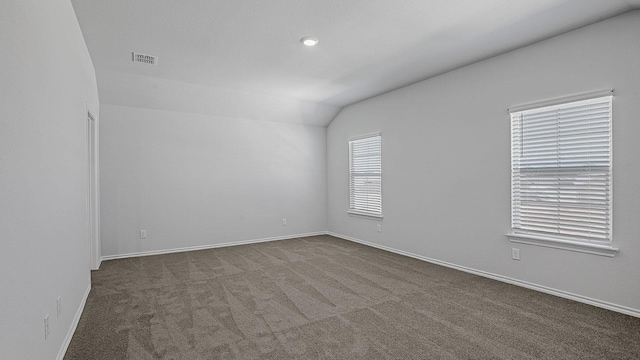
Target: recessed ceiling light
309,40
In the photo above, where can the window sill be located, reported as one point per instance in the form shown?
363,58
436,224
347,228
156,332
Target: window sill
364,215
571,245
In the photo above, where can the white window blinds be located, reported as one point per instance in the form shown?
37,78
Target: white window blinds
561,170
365,176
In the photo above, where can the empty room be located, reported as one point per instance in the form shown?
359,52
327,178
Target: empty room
319,179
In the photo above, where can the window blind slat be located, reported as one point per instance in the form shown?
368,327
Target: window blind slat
365,175
561,170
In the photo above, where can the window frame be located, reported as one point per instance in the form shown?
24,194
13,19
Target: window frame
560,241
360,212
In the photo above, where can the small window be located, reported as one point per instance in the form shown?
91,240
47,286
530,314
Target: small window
365,176
561,171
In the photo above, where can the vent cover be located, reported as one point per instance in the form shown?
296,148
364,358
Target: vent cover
145,59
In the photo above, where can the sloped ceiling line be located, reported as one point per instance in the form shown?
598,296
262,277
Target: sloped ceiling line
243,58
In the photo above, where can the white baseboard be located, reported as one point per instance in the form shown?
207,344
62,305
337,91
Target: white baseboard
209,246
97,266
525,284
74,325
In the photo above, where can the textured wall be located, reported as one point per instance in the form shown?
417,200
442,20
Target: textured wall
446,161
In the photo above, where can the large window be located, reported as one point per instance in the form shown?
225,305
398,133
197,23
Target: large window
561,171
365,176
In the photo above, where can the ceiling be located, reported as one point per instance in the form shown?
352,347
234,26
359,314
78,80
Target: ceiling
244,59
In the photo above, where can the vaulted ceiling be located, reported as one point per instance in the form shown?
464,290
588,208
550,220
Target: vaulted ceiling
244,59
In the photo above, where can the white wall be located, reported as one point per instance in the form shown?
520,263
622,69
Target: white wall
197,180
446,160
46,81
150,92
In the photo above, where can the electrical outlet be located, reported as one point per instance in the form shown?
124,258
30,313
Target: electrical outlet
46,326
379,227
143,234
284,221
515,254
59,306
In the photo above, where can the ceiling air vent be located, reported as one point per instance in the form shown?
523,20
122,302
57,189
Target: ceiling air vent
145,59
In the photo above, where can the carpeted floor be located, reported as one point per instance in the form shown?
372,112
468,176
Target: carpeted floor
326,298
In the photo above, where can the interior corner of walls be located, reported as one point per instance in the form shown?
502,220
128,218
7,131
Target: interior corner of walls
335,116
150,92
428,118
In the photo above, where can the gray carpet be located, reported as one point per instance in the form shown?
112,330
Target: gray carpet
326,298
